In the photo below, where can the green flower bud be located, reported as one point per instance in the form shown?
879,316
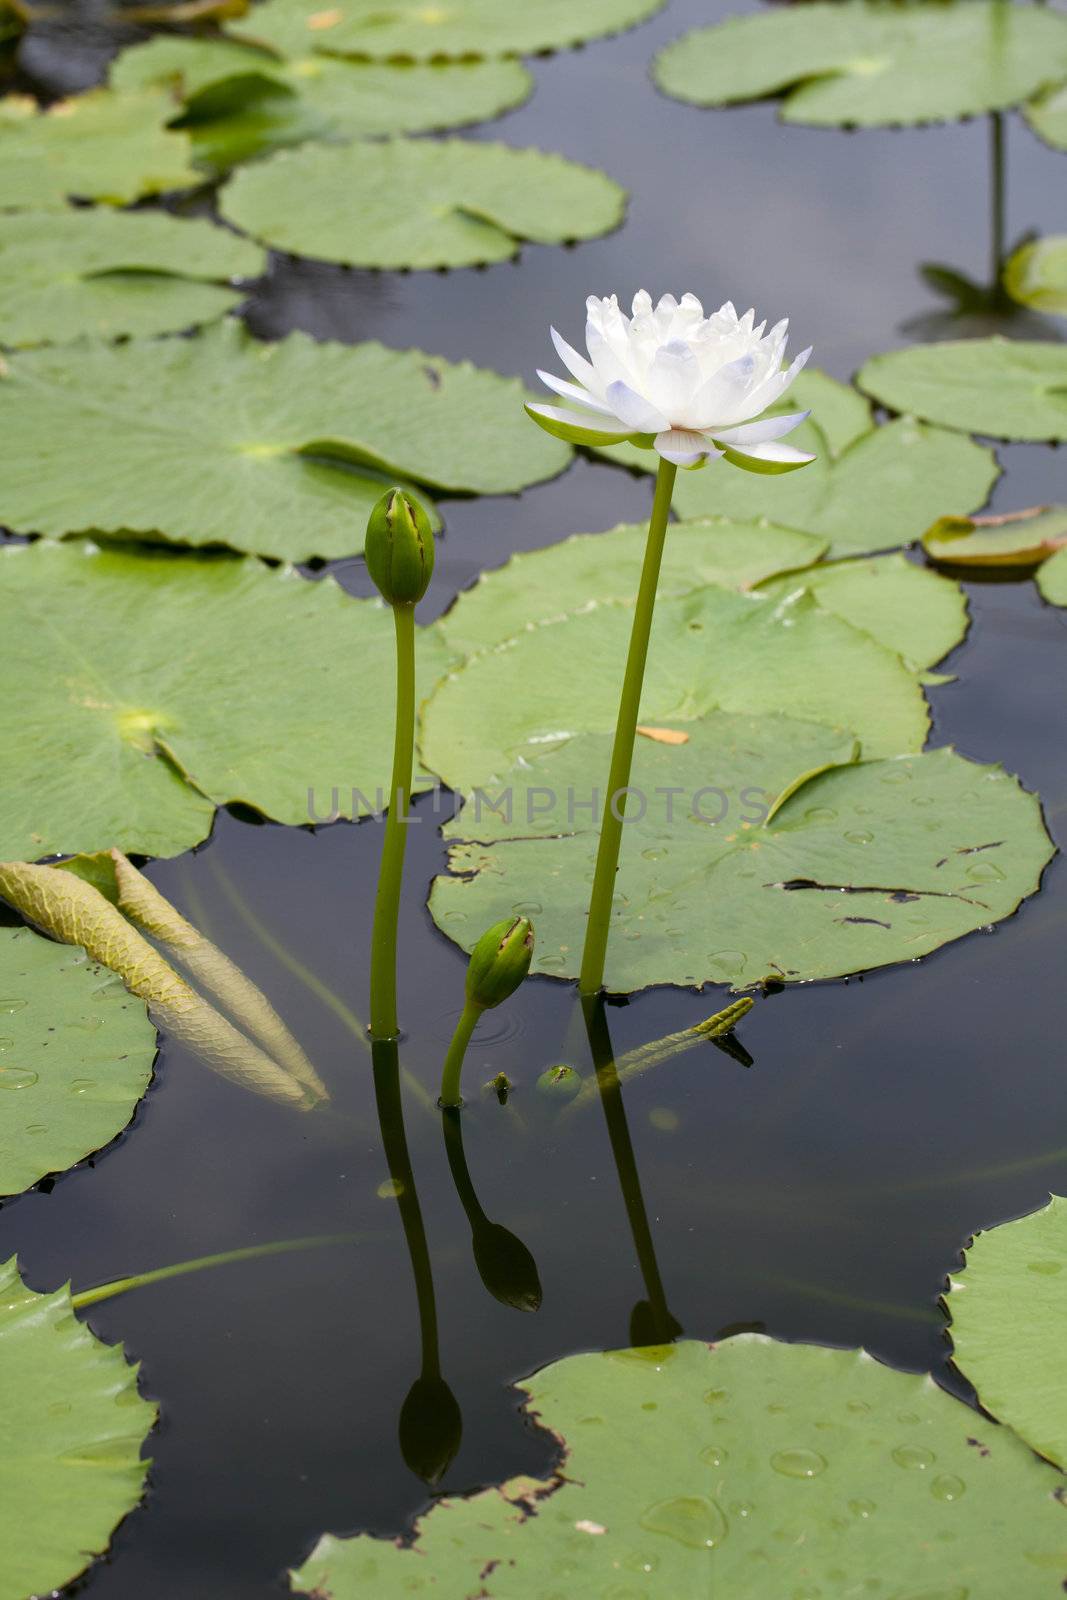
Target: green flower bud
560,1082
499,962
399,548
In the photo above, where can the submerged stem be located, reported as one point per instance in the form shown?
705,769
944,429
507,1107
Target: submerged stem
997,189
622,753
383,1018
452,1071
141,1280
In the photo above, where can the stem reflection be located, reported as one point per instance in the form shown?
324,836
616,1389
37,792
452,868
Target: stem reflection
505,1266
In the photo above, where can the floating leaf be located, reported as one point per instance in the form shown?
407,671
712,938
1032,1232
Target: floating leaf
71,1432
76,1056
821,1470
277,448
1052,579
241,101
1007,388
1047,115
1019,539
419,202
152,710
859,867
872,64
422,31
99,146
1036,275
541,585
107,273
1007,1307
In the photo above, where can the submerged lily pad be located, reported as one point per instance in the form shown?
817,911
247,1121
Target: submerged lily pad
277,448
419,203
1008,1307
98,146
106,273
859,867
176,684
542,585
240,101
690,1469
1007,388
422,31
76,1055
71,1429
1019,539
1047,115
1036,275
867,63
1052,579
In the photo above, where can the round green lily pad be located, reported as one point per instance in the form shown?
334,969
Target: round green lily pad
1007,388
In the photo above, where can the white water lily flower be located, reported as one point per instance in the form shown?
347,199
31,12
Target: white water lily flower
689,386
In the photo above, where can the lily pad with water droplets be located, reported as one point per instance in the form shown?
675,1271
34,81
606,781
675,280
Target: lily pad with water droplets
1007,388
745,1468
71,1430
98,146
419,203
76,1055
870,64
427,30
1007,1307
281,449
176,684
737,864
107,273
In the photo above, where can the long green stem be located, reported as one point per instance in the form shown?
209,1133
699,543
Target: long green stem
383,1020
622,753
141,1280
394,1141
452,1070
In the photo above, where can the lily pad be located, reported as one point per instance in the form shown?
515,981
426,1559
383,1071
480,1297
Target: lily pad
1052,579
426,32
71,1430
108,273
859,63
153,713
1007,1307
98,146
858,867
276,448
76,1055
542,585
691,1469
1006,388
1019,539
1036,275
1047,115
419,203
240,101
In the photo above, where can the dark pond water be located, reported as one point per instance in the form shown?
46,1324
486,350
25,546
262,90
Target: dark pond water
822,1193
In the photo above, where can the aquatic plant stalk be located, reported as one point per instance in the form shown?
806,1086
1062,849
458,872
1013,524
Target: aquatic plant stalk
142,1280
635,1062
594,951
383,1017
997,204
452,1071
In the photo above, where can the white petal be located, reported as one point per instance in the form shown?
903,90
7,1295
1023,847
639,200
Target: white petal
774,387
642,303
723,398
672,380
768,457
636,412
573,391
583,423
684,447
761,432
576,365
607,365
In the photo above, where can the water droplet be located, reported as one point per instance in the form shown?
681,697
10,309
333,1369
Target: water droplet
86,1024
798,1463
858,1407
7,1007
896,774
740,1508
946,1487
985,872
1048,1269
553,963
527,908
862,1508
713,1456
112,990
82,1086
7,1044
652,854
715,1397
859,836
726,963
60,1408
692,1520
17,1078
820,814
639,1561
907,1416
915,1456
35,1128
923,800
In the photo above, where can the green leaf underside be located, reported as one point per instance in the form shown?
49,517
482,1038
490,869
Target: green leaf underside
241,102
541,585
99,146
1008,1307
108,273
1020,539
1036,275
419,203
76,1055
1047,115
428,29
861,867
1007,388
872,64
1052,579
748,1467
137,716
281,449
71,1429
710,650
